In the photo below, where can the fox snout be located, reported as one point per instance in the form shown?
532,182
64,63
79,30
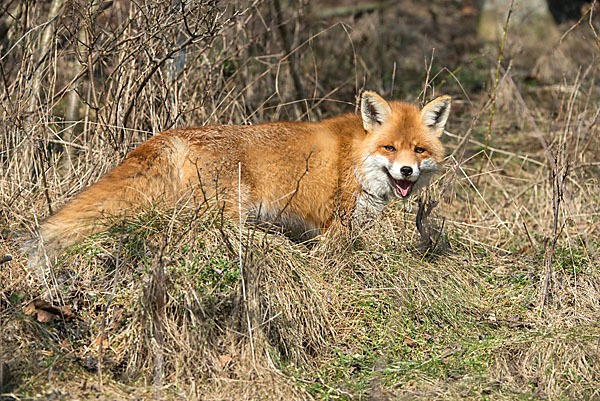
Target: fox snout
406,171
402,171
403,178
407,178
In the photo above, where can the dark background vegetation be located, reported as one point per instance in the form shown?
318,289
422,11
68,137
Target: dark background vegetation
503,304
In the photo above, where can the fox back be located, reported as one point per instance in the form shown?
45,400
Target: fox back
298,176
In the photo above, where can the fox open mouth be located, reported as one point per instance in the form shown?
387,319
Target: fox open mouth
402,187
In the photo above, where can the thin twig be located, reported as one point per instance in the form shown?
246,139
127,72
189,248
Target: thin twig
110,299
247,306
495,89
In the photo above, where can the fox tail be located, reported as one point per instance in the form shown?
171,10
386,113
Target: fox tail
150,173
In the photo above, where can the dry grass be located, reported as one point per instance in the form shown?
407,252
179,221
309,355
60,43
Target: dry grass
505,306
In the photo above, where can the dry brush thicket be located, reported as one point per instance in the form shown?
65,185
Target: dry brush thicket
495,292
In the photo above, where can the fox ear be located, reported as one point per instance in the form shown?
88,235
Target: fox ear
374,110
435,114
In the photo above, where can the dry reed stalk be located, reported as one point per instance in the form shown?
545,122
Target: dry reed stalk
496,83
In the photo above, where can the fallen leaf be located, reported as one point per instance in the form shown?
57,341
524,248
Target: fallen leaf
29,309
44,316
410,342
224,360
45,312
100,341
469,11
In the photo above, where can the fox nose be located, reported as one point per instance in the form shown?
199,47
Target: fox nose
406,171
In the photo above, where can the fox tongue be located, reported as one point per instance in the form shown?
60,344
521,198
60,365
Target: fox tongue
403,186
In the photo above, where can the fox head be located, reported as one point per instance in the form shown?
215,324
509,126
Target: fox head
401,149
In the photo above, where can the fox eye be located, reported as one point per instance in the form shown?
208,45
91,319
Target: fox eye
389,148
419,149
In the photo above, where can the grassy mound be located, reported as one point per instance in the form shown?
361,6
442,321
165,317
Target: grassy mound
158,306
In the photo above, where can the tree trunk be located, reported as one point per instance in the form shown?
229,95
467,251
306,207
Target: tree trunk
42,50
72,116
530,20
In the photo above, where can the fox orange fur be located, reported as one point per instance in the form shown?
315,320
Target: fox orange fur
351,166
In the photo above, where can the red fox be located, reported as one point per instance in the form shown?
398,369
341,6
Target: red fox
304,175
